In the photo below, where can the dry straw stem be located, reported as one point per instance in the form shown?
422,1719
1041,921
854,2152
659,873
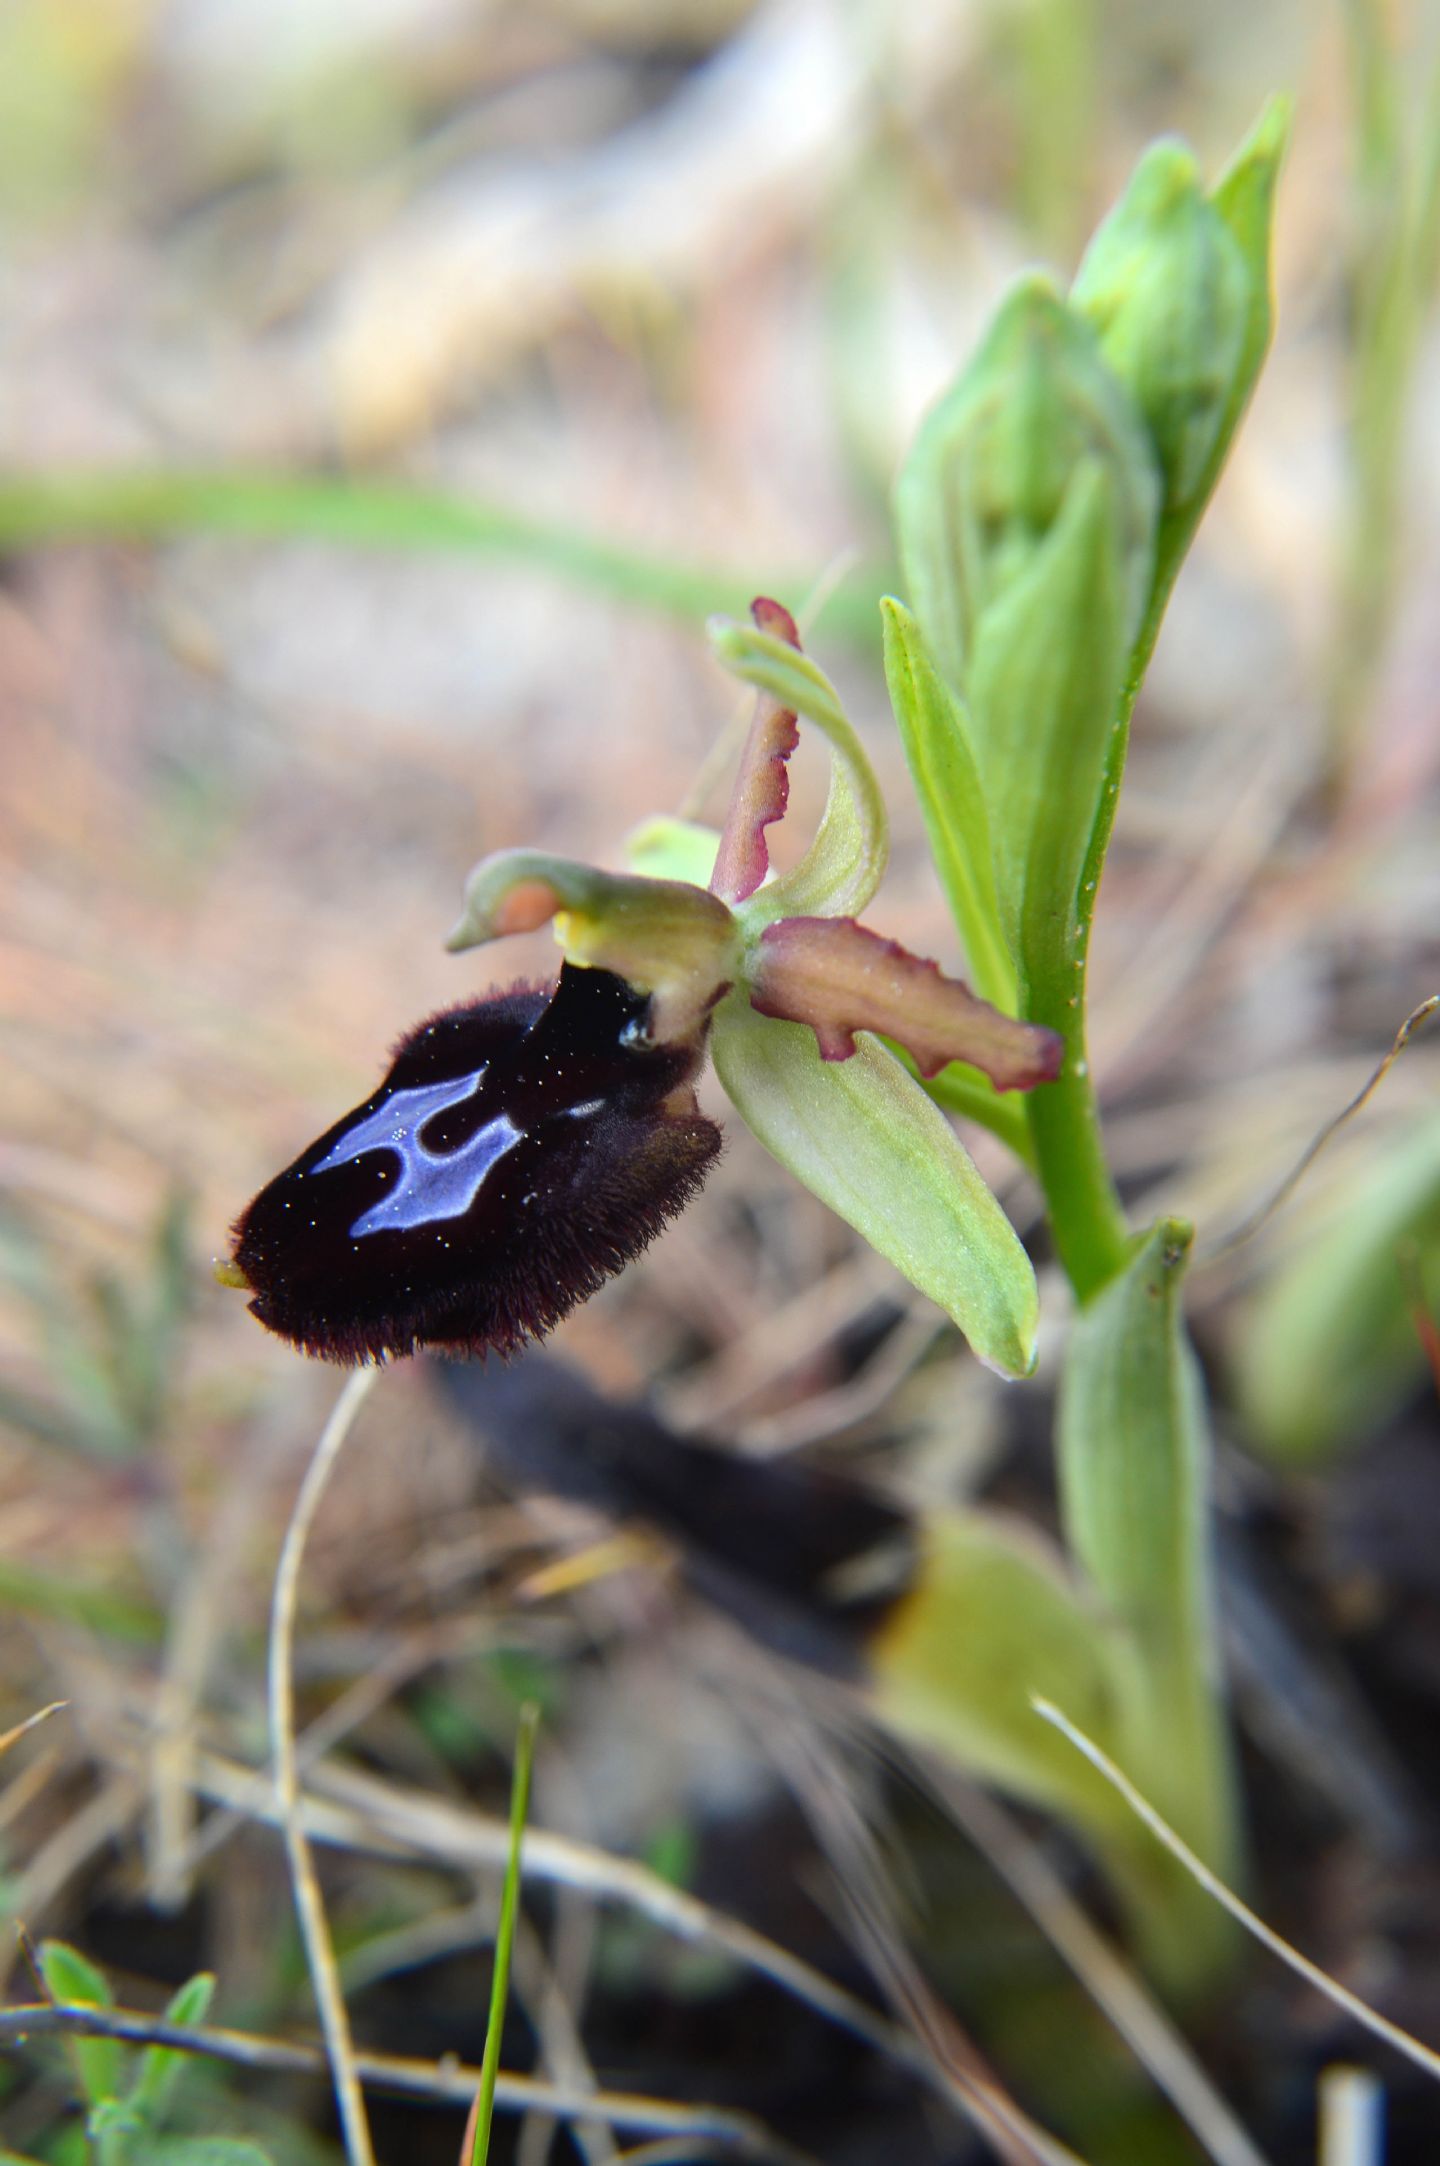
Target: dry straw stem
1369,2018
319,1954
1266,1211
1109,1980
451,2082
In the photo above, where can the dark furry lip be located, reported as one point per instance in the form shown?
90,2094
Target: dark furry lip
521,1150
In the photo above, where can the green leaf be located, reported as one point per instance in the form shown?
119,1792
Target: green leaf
992,1621
1329,1347
934,732
1134,1457
162,2066
846,862
74,1980
991,469
863,1137
1044,686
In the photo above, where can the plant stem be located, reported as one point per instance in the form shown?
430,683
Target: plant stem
1086,1217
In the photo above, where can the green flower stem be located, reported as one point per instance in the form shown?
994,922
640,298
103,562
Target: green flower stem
1086,1216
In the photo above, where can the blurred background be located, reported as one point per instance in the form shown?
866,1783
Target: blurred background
389,389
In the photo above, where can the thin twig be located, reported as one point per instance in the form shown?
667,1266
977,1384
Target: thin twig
451,2082
1250,1226
319,1954
1369,2018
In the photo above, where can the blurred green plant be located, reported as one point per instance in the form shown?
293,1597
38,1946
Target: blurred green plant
128,2099
115,1364
1393,259
1333,1341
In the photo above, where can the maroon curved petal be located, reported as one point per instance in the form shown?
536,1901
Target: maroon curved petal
839,977
762,787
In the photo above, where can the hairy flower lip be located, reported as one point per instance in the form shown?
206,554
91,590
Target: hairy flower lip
519,1151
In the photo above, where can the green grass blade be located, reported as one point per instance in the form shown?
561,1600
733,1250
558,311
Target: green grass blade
484,2110
155,505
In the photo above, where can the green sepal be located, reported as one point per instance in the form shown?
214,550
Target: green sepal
863,1137
935,734
990,472
1044,686
991,1621
1134,1463
1330,1347
664,848
73,1979
676,942
846,862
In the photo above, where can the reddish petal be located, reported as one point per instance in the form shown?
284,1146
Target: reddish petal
839,977
762,787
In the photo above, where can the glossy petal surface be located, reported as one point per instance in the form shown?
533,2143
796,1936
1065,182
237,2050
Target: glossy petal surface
521,1150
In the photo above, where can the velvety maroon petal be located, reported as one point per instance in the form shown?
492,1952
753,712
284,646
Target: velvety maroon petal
520,1151
839,977
762,787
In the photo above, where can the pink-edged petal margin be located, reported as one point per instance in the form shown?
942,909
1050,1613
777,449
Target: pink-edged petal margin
839,977
762,787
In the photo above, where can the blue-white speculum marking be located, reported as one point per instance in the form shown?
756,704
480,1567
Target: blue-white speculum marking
432,1184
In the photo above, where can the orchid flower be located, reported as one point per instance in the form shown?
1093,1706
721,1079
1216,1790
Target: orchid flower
524,1147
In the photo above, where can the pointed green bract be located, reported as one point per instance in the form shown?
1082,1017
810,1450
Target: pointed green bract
1134,1456
846,862
935,735
1166,285
991,470
863,1137
1330,1345
1044,681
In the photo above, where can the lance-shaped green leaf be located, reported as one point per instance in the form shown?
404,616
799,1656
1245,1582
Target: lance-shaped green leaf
1331,1346
839,977
1044,686
71,1977
935,734
1134,1461
991,469
862,1136
846,862
664,937
161,2067
1134,1475
991,1621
